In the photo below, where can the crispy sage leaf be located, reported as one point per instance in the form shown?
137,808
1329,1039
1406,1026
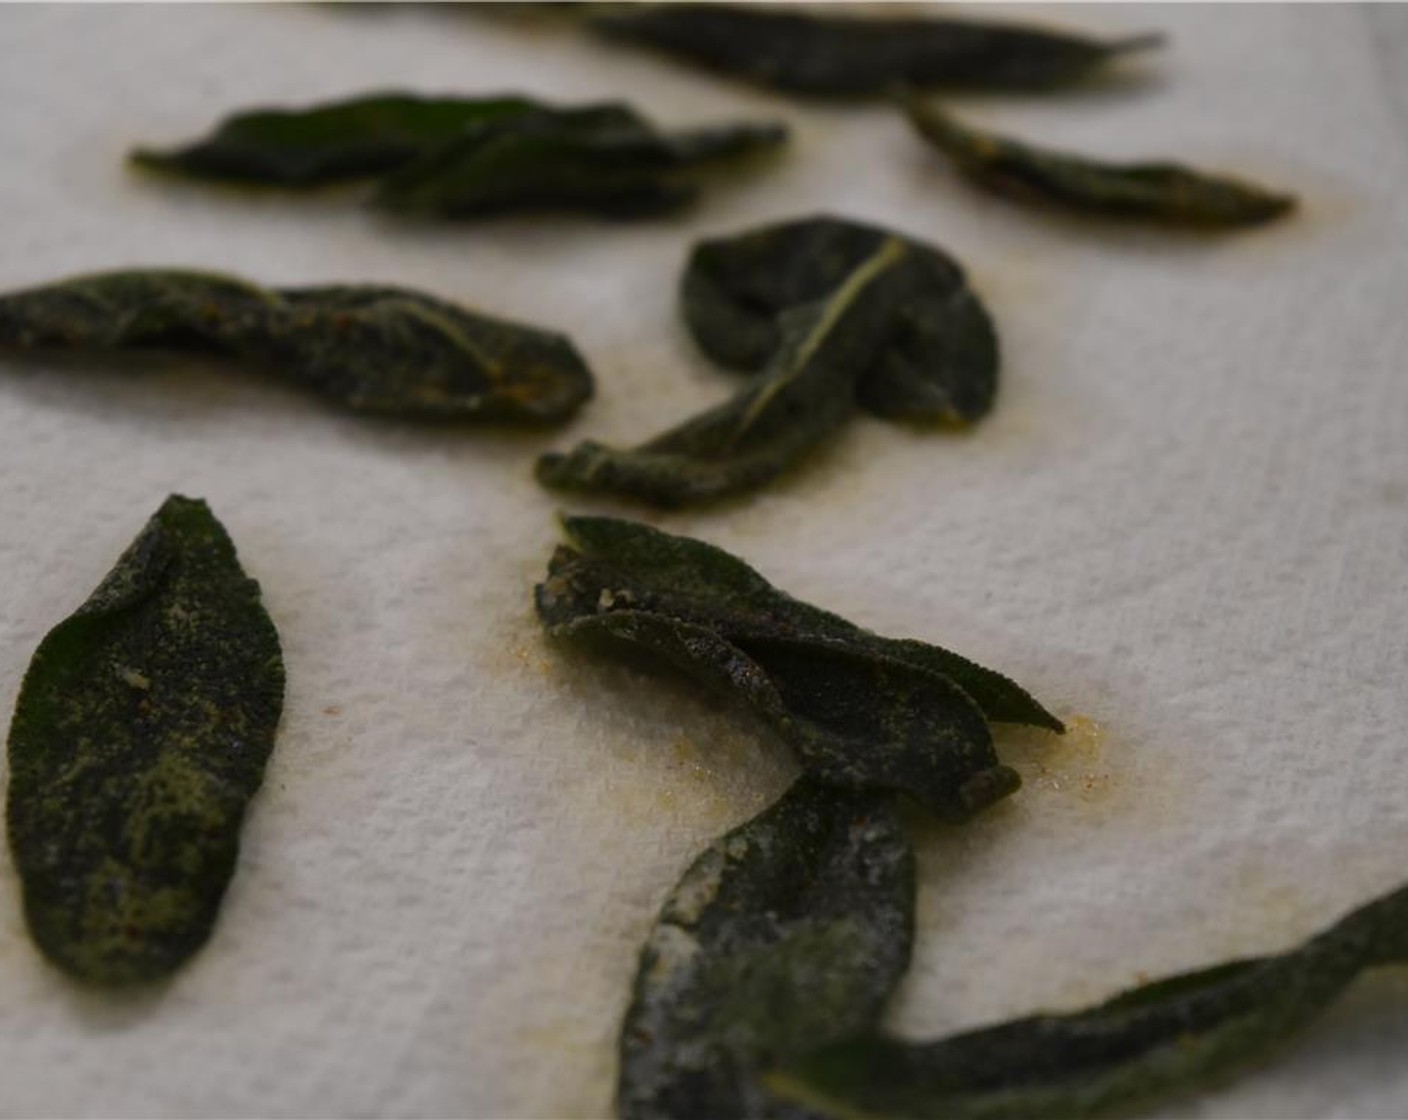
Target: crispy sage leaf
602,158
788,933
1173,1035
140,735
859,710
388,351
1162,192
846,313
939,361
811,54
337,141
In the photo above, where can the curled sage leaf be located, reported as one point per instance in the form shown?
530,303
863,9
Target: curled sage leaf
787,933
1170,1036
356,138
859,710
140,736
835,313
457,157
605,159
939,360
822,55
1160,192
380,350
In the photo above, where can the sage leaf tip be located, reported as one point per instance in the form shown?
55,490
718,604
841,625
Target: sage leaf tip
987,787
147,158
1142,41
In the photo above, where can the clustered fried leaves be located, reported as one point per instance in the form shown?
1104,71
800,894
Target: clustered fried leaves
761,989
146,718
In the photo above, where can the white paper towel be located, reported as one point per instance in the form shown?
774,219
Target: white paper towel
1187,521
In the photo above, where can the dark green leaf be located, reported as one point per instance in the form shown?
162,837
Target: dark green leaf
859,710
380,350
1174,1035
1162,192
848,312
786,934
940,358
693,580
811,54
602,158
140,735
340,140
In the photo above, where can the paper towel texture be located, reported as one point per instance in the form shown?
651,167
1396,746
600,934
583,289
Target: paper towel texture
1186,521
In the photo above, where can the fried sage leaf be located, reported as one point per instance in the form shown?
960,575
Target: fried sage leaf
786,934
334,142
388,351
850,313
601,158
859,710
940,357
810,54
1161,192
1173,1035
140,735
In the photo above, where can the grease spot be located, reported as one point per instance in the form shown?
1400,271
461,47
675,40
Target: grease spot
1072,765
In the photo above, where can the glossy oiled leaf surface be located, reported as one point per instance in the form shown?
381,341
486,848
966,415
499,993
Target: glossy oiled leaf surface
786,934
819,54
380,350
939,358
859,710
1174,1035
140,735
846,313
1161,192
601,158
340,140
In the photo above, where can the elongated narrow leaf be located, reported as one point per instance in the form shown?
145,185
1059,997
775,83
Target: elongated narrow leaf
340,140
456,157
642,568
602,158
380,350
788,933
140,735
939,360
859,710
1161,192
1174,1035
869,315
811,54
